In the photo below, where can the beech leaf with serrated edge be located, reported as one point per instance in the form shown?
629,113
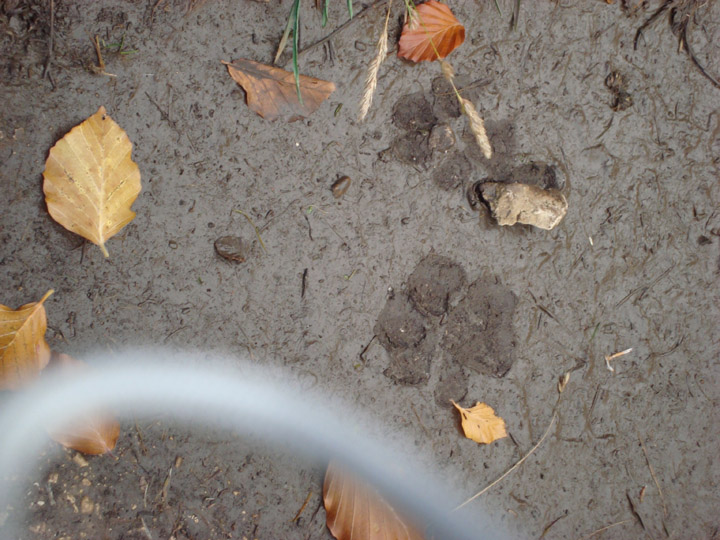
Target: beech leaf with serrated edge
355,511
481,424
93,433
23,349
271,91
91,180
432,24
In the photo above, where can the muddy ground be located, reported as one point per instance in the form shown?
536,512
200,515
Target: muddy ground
401,294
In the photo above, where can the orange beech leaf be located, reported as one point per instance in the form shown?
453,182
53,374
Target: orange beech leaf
355,511
91,180
271,91
433,22
481,424
23,349
94,433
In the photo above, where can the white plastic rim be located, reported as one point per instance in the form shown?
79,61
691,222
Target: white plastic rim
244,400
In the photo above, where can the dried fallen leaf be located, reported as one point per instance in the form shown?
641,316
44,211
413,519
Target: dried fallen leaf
91,179
355,511
94,433
434,24
23,349
481,424
271,91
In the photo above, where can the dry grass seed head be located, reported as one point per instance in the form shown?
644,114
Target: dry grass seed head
477,126
374,69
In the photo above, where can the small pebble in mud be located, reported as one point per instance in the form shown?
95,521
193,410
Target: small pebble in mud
340,186
230,248
523,203
441,138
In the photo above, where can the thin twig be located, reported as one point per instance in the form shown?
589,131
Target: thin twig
302,508
257,232
652,471
511,469
595,533
48,61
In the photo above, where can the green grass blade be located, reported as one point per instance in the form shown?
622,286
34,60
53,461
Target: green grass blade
326,5
349,5
286,34
296,32
497,6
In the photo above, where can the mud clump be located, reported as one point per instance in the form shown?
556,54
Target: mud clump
452,172
453,385
401,331
433,283
479,333
399,325
414,113
412,148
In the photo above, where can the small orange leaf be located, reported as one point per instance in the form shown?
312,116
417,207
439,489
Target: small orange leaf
23,349
271,91
91,180
434,24
94,433
355,511
481,424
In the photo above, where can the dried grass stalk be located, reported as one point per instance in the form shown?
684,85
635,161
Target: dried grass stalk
448,71
477,126
374,68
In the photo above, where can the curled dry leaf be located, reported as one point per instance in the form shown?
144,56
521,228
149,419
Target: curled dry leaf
355,511
93,433
91,180
481,424
434,24
23,349
271,91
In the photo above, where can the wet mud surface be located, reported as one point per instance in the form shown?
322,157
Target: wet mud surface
401,292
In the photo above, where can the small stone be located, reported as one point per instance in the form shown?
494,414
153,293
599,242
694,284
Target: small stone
340,186
79,460
524,203
87,506
230,248
441,138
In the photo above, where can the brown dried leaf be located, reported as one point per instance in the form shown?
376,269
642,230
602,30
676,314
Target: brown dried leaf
91,180
271,91
23,349
434,24
355,511
94,433
481,424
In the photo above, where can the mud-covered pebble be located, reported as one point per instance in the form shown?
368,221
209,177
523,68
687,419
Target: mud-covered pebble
523,203
230,248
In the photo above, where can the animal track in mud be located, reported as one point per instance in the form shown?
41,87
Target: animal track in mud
472,324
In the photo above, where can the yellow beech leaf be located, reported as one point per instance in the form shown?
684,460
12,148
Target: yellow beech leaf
23,349
481,424
91,179
355,511
93,433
